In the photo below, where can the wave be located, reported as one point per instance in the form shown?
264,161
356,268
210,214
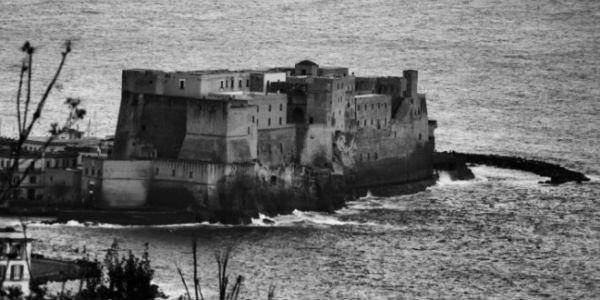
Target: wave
73,223
302,218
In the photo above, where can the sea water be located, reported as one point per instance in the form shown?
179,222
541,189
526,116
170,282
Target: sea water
506,77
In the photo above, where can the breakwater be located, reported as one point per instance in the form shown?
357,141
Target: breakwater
557,174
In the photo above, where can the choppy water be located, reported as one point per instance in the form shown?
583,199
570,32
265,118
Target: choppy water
507,77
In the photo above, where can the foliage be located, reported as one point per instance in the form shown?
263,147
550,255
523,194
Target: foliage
11,177
119,277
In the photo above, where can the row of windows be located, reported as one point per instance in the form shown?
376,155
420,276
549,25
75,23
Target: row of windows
65,163
225,84
368,156
269,107
16,272
358,107
92,172
373,122
268,121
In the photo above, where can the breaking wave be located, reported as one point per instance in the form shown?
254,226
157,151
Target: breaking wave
302,218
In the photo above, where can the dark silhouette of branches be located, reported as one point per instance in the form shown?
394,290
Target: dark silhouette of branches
10,183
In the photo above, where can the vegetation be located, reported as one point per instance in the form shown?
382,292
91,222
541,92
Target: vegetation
11,177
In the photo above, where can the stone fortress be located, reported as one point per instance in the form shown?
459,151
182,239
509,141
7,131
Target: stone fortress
299,135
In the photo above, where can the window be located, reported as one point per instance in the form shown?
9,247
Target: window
378,105
375,156
191,175
365,122
360,157
257,108
47,164
371,122
33,179
248,130
156,171
269,122
269,107
252,119
50,178
247,82
16,272
232,83
221,83
3,270
226,83
280,120
280,106
368,156
173,172
420,137
358,108
181,84
240,83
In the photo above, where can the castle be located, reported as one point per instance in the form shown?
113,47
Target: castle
182,136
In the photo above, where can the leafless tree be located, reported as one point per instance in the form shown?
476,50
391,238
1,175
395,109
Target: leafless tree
11,177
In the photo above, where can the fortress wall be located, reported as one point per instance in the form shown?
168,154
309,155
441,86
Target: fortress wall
180,184
270,110
150,125
143,81
316,149
226,81
277,146
124,183
373,111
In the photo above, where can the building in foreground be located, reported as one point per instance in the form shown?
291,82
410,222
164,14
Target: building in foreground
184,139
15,256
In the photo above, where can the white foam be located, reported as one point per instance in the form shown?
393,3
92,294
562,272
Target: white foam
73,223
300,218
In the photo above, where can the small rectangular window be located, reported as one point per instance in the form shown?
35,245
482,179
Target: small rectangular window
191,175
269,122
247,82
173,172
221,83
32,179
181,84
280,120
280,106
240,84
16,272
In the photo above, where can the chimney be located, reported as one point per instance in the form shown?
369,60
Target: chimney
412,77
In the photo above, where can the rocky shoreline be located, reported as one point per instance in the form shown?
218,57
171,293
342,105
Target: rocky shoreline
557,174
271,202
